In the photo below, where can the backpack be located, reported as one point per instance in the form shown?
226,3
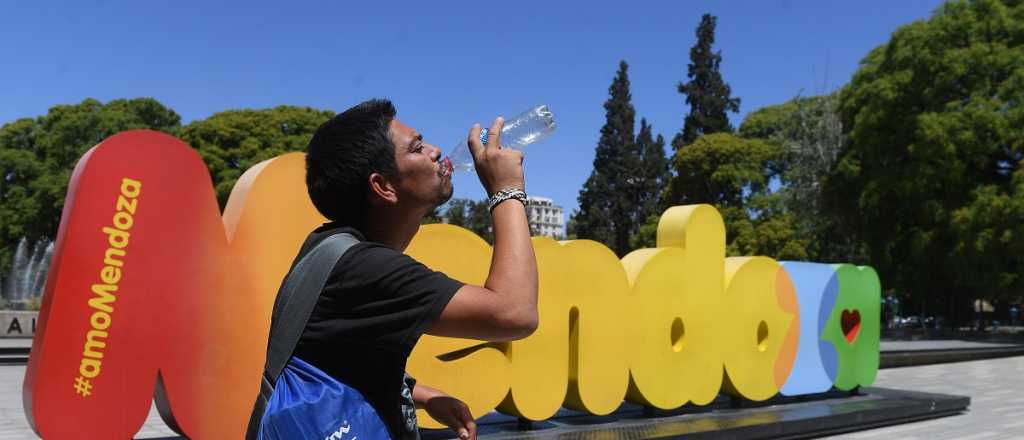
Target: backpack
296,399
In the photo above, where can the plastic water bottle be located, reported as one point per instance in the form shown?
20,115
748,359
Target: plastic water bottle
529,127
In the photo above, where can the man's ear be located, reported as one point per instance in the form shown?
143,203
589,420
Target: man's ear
381,189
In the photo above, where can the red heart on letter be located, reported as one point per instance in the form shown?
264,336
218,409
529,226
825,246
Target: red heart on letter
850,323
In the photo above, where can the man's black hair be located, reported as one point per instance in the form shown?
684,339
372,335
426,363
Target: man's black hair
343,153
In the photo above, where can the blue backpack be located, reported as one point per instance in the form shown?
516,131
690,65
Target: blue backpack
297,400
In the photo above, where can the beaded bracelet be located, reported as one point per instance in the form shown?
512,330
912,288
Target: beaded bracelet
505,194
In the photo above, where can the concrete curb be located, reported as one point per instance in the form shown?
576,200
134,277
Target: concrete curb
911,358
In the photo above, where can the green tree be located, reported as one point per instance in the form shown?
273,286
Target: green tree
624,187
480,220
723,170
767,227
649,188
232,141
990,239
604,211
653,175
812,139
472,215
809,131
570,226
647,235
37,157
434,216
707,94
457,212
21,168
935,132
767,122
732,173
19,205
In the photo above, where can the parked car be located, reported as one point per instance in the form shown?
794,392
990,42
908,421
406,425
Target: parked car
918,321
911,322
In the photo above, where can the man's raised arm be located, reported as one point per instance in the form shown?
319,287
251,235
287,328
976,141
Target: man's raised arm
505,307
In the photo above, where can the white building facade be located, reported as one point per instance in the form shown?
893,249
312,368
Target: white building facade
545,217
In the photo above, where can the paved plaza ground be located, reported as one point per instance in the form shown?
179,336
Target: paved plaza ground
996,387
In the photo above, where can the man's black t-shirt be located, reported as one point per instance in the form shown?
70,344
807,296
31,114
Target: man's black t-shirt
376,304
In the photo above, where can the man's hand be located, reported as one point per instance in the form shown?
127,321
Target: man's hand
446,409
498,168
454,414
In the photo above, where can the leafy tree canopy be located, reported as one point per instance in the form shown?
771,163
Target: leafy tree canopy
37,156
733,174
472,215
810,133
766,227
722,169
936,135
232,141
768,122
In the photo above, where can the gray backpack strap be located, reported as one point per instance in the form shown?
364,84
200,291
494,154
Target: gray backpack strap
295,301
297,298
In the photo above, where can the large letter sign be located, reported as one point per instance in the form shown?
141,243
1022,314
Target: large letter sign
816,289
676,356
152,292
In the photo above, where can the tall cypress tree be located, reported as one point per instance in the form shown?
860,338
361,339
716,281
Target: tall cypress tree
706,93
648,191
603,214
654,175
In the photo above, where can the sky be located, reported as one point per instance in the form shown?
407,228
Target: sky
446,65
